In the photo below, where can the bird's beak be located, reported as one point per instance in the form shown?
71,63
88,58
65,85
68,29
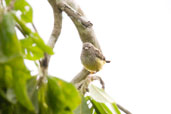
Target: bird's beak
85,48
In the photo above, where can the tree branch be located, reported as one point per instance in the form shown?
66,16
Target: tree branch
99,79
84,29
86,33
80,76
74,14
53,38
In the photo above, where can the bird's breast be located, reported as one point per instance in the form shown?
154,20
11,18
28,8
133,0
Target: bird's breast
92,63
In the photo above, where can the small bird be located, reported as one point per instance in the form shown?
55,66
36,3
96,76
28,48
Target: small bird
92,58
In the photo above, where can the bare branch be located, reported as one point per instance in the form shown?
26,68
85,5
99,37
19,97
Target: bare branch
74,14
57,24
100,79
84,29
53,38
123,109
34,27
80,76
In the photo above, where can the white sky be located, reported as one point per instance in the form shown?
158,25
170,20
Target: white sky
134,34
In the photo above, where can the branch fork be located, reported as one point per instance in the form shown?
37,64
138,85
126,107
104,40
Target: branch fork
86,33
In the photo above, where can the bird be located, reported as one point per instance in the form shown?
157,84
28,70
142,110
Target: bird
92,58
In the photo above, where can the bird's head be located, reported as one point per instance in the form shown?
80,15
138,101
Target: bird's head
87,46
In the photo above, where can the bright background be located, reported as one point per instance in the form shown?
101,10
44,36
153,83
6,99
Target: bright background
134,34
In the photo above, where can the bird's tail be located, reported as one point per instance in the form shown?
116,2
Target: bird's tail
107,61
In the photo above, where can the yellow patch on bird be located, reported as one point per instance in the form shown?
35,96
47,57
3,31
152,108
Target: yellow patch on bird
100,62
95,66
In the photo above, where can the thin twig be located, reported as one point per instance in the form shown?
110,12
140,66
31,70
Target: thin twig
34,27
100,79
20,29
123,109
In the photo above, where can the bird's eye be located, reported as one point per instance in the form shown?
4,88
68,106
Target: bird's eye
86,48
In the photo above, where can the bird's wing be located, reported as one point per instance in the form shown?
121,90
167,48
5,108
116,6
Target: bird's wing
99,54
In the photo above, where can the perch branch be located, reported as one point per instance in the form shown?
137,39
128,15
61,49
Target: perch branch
80,76
84,29
53,38
123,109
83,85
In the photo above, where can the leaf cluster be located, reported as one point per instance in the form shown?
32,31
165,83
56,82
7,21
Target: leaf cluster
19,91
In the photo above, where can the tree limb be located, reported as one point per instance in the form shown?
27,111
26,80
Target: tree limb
84,29
86,33
74,14
53,38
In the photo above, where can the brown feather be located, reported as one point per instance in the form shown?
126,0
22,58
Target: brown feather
99,54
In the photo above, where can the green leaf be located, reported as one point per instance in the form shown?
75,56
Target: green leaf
33,92
7,97
7,2
24,7
26,10
20,75
40,43
21,23
9,45
8,76
10,95
101,96
116,108
11,61
62,97
100,108
82,108
5,107
19,109
34,48
31,50
43,107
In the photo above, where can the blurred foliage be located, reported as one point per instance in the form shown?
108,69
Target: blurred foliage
20,92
